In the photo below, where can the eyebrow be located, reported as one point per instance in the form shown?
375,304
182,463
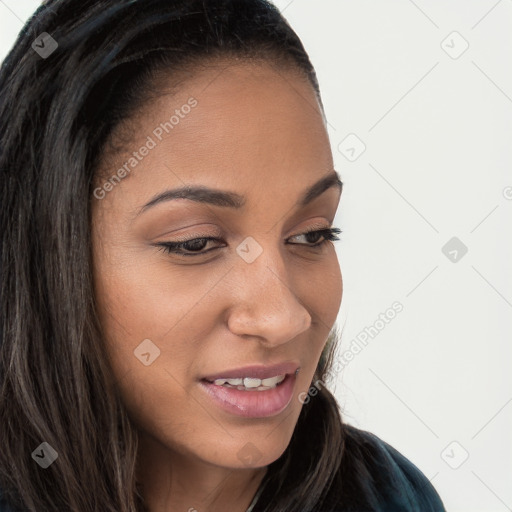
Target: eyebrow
233,200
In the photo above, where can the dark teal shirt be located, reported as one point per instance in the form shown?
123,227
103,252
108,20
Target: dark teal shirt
375,477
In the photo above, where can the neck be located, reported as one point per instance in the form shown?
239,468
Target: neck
176,482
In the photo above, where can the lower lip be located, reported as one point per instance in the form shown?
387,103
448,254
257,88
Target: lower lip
252,404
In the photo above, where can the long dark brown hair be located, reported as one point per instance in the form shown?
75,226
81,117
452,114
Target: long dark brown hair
56,113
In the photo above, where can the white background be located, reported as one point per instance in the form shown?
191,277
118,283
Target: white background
437,163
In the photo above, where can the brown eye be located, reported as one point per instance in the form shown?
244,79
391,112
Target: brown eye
190,247
327,234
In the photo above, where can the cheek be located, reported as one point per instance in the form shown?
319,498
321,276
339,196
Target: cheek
156,318
136,304
321,292
322,288
149,344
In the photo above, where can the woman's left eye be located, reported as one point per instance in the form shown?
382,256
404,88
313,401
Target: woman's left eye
195,246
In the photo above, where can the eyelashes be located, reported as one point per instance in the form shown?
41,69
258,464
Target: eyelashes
194,246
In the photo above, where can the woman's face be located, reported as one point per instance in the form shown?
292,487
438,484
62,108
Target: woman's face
258,295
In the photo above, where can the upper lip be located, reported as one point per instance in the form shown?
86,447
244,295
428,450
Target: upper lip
255,371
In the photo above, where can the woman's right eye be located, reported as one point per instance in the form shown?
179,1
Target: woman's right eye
193,247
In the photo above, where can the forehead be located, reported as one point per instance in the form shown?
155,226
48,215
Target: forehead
250,125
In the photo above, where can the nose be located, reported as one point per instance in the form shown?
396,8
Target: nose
265,304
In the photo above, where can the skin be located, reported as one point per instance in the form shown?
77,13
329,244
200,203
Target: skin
260,134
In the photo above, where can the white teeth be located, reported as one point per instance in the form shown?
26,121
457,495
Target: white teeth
233,382
251,383
272,381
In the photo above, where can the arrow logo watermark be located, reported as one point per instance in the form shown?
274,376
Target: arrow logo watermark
454,249
44,455
44,45
351,147
147,352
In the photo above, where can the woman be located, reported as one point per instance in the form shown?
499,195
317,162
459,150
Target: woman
169,285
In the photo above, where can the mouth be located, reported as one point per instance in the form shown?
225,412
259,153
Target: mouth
253,392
